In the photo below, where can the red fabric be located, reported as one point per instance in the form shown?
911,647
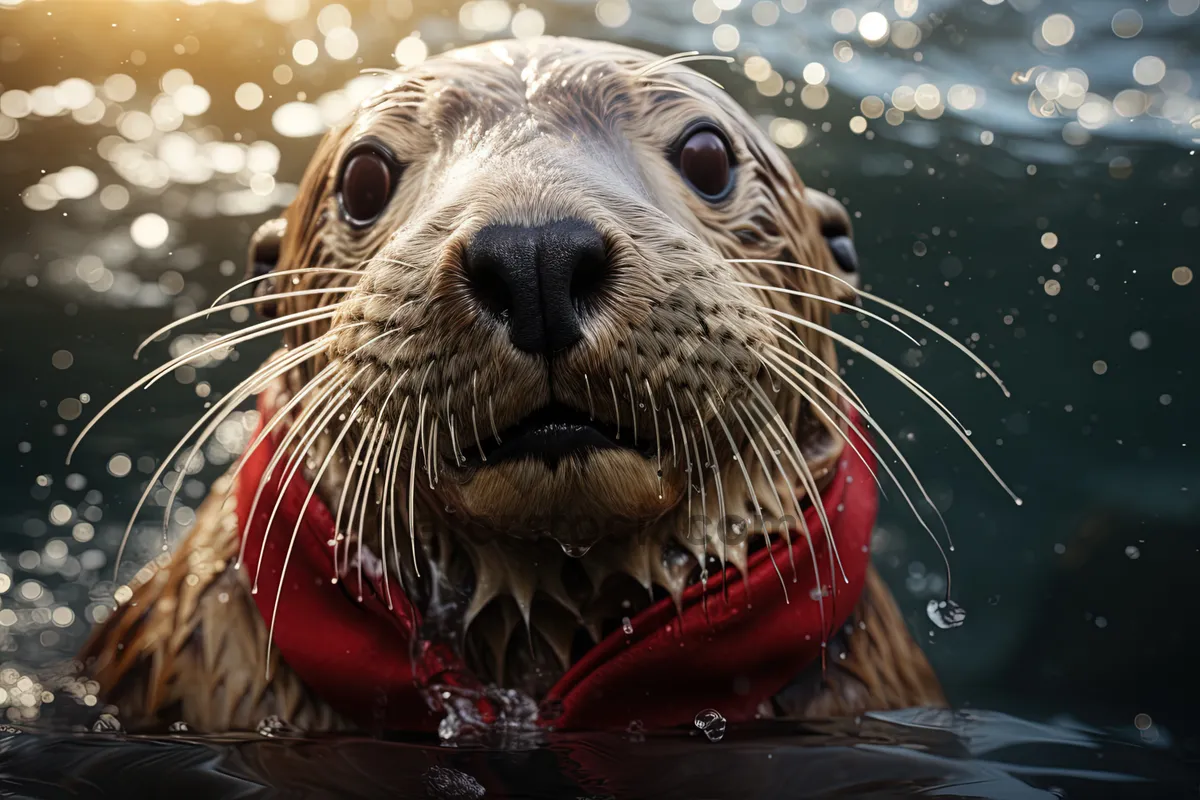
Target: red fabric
725,652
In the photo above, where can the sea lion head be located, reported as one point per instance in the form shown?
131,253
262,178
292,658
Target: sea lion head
562,293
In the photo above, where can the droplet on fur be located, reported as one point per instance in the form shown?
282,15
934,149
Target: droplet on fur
712,723
178,727
946,614
626,625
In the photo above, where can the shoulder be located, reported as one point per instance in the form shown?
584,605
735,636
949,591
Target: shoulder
188,642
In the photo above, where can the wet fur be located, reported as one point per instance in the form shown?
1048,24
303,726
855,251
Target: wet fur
524,133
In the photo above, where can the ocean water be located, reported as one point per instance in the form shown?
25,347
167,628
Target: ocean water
1022,173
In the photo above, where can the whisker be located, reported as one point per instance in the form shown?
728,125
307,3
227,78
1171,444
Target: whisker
222,409
917,389
649,68
753,494
887,304
809,482
823,299
765,426
240,336
710,450
149,378
492,419
774,491
632,407
891,445
794,340
474,413
842,390
657,439
281,415
313,409
704,521
683,435
269,275
616,407
384,513
373,453
243,390
313,383
295,461
887,366
431,453
351,471
287,557
244,302
795,455
412,485
389,510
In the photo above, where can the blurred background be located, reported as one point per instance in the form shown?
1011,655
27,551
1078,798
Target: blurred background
1021,172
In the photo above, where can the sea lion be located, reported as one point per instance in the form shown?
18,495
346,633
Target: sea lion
557,436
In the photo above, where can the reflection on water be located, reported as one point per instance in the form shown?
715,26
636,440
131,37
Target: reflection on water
1021,171
980,755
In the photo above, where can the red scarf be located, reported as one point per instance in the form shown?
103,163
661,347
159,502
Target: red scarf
721,652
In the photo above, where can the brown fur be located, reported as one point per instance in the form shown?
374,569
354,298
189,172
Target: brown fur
525,133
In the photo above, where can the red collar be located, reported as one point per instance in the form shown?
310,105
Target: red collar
731,656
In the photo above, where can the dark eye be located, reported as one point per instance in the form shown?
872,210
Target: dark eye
366,183
705,163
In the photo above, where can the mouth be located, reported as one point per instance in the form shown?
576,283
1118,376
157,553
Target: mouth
554,433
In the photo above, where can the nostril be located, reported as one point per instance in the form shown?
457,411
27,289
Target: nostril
489,289
590,277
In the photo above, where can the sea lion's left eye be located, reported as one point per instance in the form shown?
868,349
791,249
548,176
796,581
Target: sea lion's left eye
365,184
704,161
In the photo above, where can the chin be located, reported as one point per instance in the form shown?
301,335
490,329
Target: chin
578,499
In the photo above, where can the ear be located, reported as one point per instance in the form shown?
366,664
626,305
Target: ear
838,233
263,257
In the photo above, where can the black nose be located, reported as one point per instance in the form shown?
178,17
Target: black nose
538,280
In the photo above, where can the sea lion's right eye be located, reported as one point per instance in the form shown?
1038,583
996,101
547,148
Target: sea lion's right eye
368,177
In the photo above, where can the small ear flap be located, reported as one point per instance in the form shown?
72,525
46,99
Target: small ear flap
838,233
262,258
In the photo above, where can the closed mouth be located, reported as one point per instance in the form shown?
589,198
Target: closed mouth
551,434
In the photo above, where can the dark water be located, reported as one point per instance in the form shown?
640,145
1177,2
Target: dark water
887,755
1051,221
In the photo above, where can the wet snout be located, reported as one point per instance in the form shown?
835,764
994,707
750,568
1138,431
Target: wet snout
539,280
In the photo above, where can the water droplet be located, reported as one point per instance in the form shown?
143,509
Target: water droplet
712,723
626,626
574,549
636,731
178,727
273,726
10,729
946,614
107,723
443,783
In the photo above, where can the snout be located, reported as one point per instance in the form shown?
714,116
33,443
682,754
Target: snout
541,282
